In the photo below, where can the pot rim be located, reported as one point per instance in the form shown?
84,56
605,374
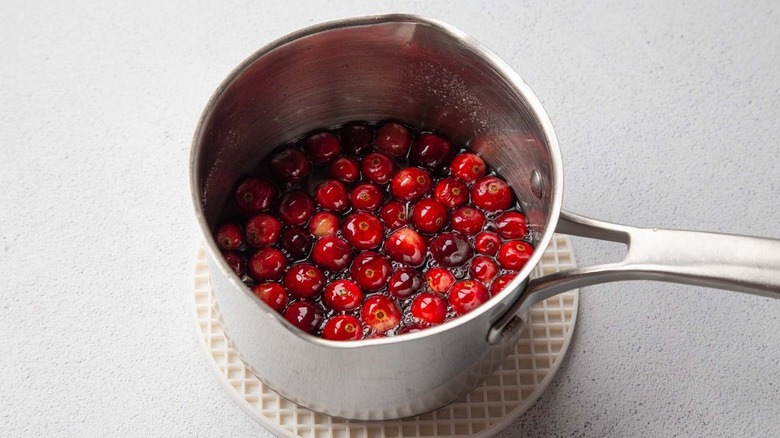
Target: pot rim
501,67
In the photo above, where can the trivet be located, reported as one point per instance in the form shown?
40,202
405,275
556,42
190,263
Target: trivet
488,409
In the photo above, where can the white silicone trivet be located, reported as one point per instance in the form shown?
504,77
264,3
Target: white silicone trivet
488,409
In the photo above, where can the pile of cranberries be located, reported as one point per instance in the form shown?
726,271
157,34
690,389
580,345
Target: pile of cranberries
373,231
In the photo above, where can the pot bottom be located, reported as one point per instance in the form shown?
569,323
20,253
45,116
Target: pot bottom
488,409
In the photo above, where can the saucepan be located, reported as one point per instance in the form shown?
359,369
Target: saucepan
430,76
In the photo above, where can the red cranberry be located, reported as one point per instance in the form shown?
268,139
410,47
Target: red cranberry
363,230
429,307
406,246
235,262
491,193
451,249
467,295
511,225
514,254
487,243
322,147
430,151
304,280
467,220
272,294
343,328
366,197
483,269
404,283
267,264
357,139
393,139
393,214
468,167
411,184
429,216
296,207
451,192
323,224
370,270
499,283
255,195
380,313
439,280
304,315
296,242
289,165
410,328
377,168
263,230
332,195
229,236
342,295
332,253
344,169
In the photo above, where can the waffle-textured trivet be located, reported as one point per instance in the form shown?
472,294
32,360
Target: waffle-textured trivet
488,409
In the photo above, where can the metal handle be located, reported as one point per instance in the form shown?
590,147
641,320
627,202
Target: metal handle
725,261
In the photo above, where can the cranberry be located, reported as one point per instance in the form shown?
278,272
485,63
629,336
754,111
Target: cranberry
514,254
332,195
322,147
332,253
410,328
235,262
500,282
393,139
439,280
344,169
511,225
451,192
483,269
406,246
467,220
255,195
468,167
451,249
296,207
342,295
370,270
304,315
324,224
263,230
229,236
411,184
380,313
429,307
357,139
363,230
304,280
377,168
404,283
366,197
430,151
467,295
267,264
296,242
343,328
272,294
491,193
393,214
429,216
487,243
289,165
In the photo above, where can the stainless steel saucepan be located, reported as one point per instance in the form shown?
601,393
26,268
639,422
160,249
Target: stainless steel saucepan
431,76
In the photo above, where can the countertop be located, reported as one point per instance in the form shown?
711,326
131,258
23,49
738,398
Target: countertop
667,115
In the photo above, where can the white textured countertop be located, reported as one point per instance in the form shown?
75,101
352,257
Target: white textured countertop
667,115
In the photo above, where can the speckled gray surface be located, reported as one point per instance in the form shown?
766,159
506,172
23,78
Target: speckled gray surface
666,114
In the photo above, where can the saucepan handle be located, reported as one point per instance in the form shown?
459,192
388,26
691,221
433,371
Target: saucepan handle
724,261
